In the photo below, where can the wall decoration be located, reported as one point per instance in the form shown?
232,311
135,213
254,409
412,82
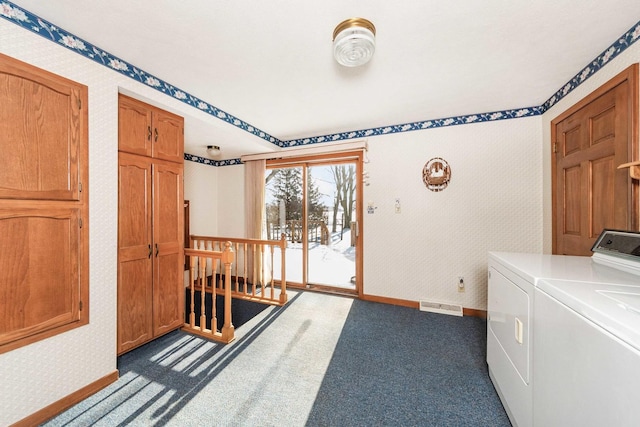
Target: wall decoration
436,174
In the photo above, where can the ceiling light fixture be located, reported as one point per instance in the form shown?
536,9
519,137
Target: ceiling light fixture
213,150
354,41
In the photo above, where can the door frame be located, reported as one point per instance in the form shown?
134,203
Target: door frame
630,74
355,156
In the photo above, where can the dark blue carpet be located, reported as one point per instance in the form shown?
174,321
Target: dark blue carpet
396,366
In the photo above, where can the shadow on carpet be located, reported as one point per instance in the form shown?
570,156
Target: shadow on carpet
241,311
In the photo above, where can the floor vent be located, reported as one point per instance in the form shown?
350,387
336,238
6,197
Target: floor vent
442,308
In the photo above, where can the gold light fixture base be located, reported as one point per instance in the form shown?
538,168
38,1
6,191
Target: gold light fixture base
354,22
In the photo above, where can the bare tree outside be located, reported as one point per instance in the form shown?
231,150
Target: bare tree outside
344,177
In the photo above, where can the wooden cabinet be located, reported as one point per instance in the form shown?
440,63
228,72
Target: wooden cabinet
149,131
150,245
44,264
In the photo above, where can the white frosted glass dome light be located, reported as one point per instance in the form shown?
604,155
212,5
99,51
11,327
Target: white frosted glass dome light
354,42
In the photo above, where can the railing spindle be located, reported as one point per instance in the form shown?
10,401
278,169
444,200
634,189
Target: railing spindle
192,278
203,291
214,295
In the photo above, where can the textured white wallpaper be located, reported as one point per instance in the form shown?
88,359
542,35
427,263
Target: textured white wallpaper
231,203
493,202
201,189
42,373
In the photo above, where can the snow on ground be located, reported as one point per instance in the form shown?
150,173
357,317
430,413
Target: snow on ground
333,264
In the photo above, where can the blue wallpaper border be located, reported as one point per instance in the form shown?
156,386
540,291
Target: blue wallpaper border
31,22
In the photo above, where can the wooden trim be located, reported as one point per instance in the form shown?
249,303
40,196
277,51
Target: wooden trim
472,312
67,402
325,289
314,160
317,150
392,301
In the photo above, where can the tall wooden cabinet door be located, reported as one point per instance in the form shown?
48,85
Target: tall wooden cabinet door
168,286
135,253
135,131
168,136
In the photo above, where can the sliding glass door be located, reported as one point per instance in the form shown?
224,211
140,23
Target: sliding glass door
315,203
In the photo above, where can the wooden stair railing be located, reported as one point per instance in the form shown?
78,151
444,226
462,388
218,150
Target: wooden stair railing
252,276
202,261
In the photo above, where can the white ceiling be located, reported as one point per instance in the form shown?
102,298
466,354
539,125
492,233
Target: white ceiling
270,63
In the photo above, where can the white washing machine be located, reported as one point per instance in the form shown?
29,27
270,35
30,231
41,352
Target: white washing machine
511,335
586,369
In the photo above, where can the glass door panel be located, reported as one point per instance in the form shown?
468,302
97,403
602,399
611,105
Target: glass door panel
283,212
331,210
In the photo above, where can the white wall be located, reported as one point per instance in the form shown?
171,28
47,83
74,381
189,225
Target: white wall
231,201
46,371
629,56
201,189
494,202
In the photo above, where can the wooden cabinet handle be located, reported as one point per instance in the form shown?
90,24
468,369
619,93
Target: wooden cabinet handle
149,133
156,135
157,250
150,251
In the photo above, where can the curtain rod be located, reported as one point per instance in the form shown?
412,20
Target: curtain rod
296,152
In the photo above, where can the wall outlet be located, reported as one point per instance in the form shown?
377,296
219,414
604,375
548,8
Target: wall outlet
460,284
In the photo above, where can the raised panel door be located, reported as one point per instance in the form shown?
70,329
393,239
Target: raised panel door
134,251
41,128
40,284
168,287
168,136
590,193
135,130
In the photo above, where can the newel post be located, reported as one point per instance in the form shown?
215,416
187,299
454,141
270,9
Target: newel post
227,258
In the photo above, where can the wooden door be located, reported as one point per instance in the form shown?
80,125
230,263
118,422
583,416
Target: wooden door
590,141
134,126
168,257
134,251
168,136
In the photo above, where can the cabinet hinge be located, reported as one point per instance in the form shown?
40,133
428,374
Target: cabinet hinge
80,222
80,187
555,147
80,305
79,104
